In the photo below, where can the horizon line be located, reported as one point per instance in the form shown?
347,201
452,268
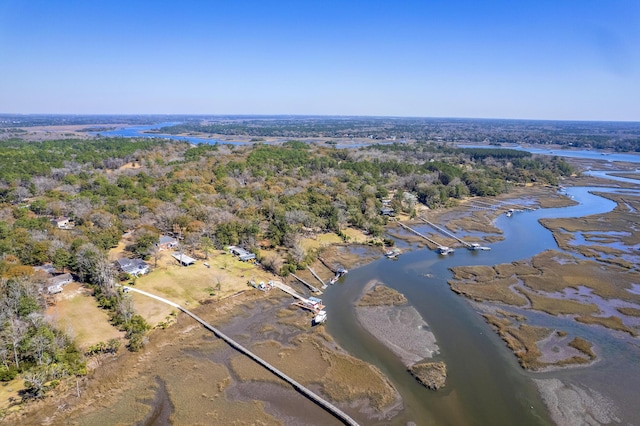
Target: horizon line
315,115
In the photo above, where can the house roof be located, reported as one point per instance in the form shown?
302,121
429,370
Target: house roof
49,268
165,239
242,253
183,258
60,279
132,266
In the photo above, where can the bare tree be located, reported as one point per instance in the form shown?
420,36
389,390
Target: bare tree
272,262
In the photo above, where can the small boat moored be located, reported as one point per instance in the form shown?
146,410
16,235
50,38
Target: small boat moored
444,250
320,318
392,254
476,246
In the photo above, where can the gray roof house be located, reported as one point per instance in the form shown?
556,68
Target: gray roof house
242,254
166,242
133,266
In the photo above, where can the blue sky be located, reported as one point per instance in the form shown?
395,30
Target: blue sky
565,60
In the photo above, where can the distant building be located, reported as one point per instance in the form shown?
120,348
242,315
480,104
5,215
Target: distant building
244,255
387,211
134,267
166,242
47,268
62,222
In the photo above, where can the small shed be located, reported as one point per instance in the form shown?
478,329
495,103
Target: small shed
54,289
387,211
62,222
183,259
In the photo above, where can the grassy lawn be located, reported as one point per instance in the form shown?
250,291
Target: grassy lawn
189,286
76,312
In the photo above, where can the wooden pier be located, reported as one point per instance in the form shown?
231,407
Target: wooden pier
444,231
330,408
312,288
286,289
329,267
324,285
418,233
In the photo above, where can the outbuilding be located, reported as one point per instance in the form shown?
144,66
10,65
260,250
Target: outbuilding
183,259
244,255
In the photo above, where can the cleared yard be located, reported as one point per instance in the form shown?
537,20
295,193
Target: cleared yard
76,312
190,286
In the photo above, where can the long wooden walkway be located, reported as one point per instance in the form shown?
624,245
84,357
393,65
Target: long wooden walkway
444,231
287,289
418,233
332,409
329,267
312,288
324,285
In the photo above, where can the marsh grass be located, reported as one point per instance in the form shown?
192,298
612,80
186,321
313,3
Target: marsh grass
382,295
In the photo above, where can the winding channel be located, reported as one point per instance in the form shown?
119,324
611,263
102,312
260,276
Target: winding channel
485,384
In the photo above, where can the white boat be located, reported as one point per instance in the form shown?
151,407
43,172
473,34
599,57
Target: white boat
392,254
320,318
476,246
444,250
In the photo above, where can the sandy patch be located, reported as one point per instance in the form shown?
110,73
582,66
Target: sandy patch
571,405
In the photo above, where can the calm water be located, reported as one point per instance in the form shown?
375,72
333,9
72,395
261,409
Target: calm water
139,132
485,385
572,153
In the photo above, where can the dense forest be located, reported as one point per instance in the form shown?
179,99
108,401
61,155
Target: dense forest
257,195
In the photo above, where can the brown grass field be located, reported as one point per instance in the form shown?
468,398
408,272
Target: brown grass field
77,313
